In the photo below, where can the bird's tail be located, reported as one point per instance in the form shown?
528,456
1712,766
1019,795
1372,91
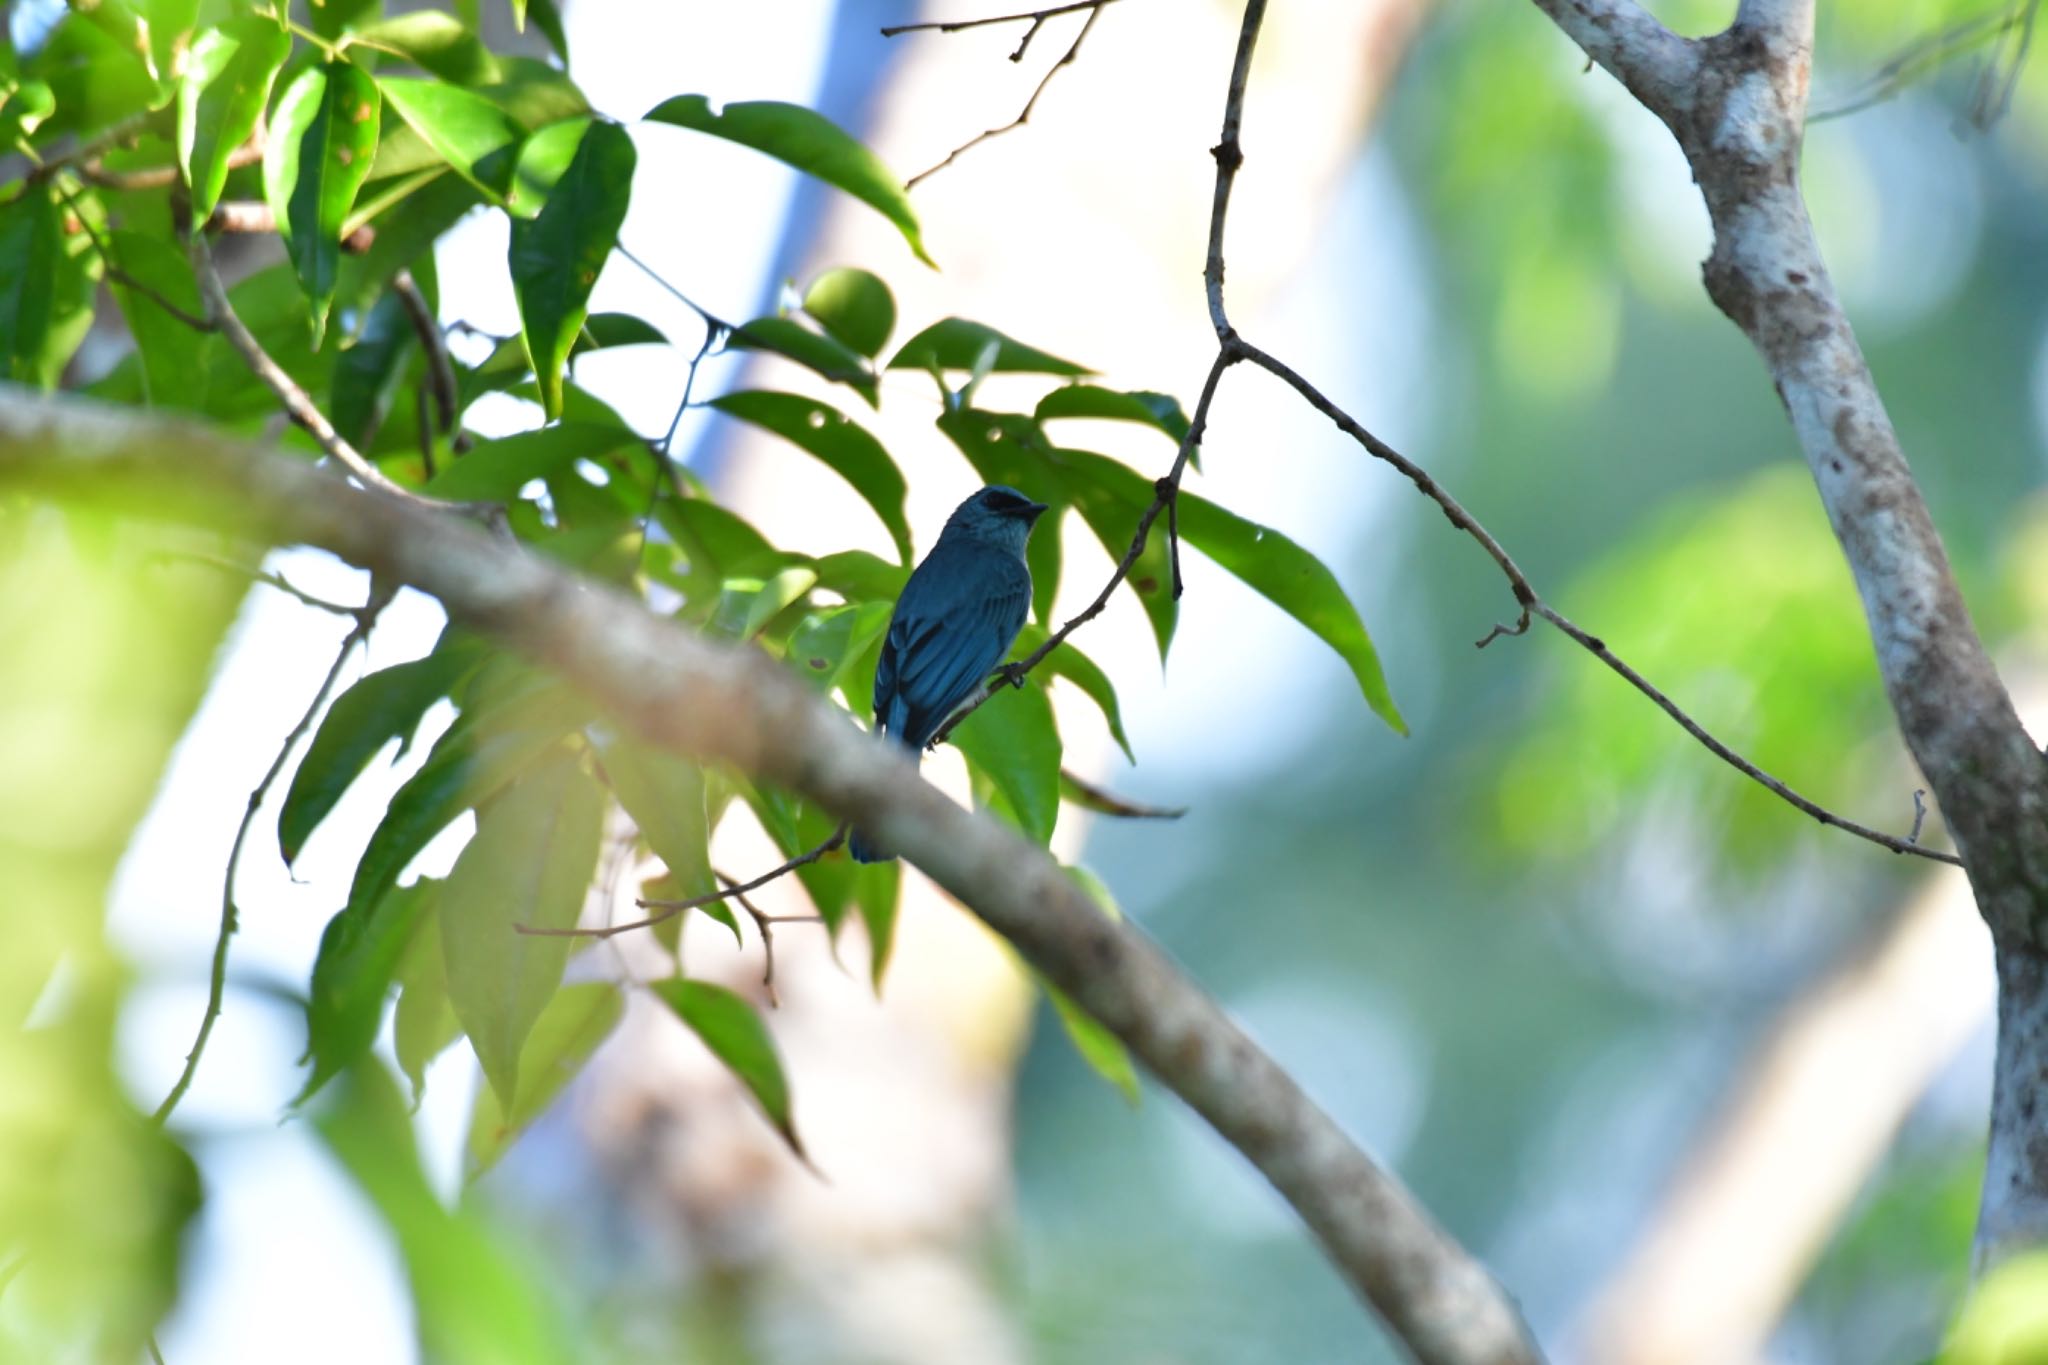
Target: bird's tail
864,850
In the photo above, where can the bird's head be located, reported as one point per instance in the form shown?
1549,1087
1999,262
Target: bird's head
997,515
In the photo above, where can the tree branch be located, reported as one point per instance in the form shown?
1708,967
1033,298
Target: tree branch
720,703
1739,115
216,989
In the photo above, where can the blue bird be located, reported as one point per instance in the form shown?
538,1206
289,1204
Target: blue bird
958,616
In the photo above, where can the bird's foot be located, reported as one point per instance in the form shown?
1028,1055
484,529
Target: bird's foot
1012,673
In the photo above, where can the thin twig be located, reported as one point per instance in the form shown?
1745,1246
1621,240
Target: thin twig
668,910
440,369
1919,814
1035,17
1929,54
766,927
296,401
711,319
163,177
268,577
366,621
94,147
1024,114
253,217
112,268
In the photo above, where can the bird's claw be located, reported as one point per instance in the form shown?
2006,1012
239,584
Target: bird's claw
1013,674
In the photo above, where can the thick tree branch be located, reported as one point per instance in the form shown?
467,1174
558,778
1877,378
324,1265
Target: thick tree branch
725,704
1739,115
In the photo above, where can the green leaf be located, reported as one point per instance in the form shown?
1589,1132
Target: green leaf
746,605
1083,672
435,42
814,351
332,18
407,228
170,360
877,893
472,134
738,1038
665,796
854,307
1157,410
424,1023
530,863
495,471
957,344
859,576
378,708
359,954
1268,562
1042,555
226,84
568,1030
808,141
474,1300
1098,1047
556,257
317,156
834,439
1013,742
547,17
369,372
469,764
48,274
797,826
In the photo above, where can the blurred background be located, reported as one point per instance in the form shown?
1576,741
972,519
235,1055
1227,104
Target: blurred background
1701,1080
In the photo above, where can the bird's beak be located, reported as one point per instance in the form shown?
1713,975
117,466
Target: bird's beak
1034,511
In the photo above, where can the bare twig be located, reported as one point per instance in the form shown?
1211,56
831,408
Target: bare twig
1034,17
295,400
668,910
1923,57
440,369
1094,8
163,177
366,621
268,577
765,923
89,152
1919,814
254,217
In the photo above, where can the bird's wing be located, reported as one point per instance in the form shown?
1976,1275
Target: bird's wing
948,634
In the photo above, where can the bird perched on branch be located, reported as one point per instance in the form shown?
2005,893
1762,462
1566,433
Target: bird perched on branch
958,616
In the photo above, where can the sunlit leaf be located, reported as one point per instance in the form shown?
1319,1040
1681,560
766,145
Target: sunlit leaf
827,642
738,1038
665,796
836,441
556,256
746,605
1158,410
530,862
806,140
568,1030
226,84
332,18
472,134
170,360
854,307
877,894
435,42
1100,1048
317,156
957,344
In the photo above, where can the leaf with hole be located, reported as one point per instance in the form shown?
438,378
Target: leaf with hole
808,141
837,442
316,157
